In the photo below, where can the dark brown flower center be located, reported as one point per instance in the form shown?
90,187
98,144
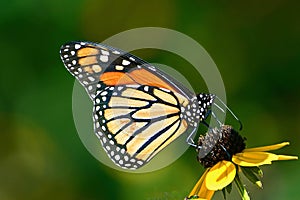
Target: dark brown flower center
219,144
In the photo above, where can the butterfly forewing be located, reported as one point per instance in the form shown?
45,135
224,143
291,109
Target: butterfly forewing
91,62
87,61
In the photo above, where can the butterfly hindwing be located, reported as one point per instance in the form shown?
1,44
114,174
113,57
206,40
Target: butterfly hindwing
135,122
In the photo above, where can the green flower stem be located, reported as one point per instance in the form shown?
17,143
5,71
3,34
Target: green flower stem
242,190
257,171
252,177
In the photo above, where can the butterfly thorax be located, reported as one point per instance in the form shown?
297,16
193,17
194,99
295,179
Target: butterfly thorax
196,110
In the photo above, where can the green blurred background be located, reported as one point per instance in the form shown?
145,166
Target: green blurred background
255,45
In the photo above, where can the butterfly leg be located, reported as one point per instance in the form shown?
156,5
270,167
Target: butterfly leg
207,114
227,153
190,140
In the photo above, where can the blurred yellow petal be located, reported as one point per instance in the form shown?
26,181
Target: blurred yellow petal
267,148
197,187
284,157
220,175
250,159
200,189
206,193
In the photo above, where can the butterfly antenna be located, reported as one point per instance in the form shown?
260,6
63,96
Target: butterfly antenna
216,118
227,108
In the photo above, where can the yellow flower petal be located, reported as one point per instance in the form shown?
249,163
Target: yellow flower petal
251,159
200,189
206,193
220,175
197,187
267,148
284,157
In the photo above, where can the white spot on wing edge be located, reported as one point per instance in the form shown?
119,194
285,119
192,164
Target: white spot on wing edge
125,62
104,58
77,46
116,52
106,53
119,67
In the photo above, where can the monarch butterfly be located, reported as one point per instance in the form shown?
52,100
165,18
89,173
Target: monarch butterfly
137,109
